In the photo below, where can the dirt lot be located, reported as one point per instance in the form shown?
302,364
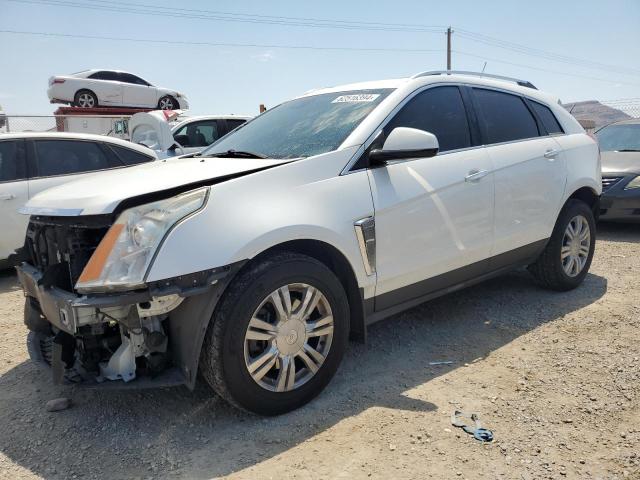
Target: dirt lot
555,376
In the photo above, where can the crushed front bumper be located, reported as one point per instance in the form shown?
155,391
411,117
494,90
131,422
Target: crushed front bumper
67,316
68,311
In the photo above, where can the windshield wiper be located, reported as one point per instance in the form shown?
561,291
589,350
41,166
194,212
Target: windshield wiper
628,150
236,154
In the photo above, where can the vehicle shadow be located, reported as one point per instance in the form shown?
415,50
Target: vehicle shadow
173,432
8,280
619,232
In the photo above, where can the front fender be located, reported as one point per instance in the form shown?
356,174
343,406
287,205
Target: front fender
307,199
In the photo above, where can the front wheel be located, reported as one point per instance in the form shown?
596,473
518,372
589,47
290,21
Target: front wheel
278,335
567,257
168,103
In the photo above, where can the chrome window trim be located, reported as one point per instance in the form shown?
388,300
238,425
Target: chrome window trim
347,169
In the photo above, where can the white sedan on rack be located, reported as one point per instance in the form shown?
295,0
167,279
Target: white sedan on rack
108,88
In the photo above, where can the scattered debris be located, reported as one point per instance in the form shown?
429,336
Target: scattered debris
58,404
479,433
442,362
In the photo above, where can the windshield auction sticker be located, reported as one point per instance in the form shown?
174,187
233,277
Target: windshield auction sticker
361,97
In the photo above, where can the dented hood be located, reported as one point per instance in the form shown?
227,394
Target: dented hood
102,192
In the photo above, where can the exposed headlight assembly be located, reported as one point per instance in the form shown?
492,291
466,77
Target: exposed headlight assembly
635,183
124,255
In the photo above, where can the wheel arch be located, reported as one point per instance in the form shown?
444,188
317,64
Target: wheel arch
589,196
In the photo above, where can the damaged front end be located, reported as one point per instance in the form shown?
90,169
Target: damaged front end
151,333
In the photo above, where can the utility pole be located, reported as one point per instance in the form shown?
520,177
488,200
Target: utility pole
449,32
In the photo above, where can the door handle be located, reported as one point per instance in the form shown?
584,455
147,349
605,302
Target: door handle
551,154
476,175
7,196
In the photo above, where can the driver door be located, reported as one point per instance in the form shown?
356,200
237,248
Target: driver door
433,216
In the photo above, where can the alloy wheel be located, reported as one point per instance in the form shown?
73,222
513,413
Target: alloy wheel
166,104
288,337
576,245
86,100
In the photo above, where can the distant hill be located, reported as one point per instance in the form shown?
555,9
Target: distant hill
596,111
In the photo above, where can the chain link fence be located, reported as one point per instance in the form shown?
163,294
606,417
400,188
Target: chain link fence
593,114
628,106
112,125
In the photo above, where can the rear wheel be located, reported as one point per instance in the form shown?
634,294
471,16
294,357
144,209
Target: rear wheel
567,257
278,336
85,99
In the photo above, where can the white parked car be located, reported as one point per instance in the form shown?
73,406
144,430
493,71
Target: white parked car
107,88
187,135
255,261
33,162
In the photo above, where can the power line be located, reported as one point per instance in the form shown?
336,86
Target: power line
217,15
151,10
293,47
483,57
525,50
220,44
277,17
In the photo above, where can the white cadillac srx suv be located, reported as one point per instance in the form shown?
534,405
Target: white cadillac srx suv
253,262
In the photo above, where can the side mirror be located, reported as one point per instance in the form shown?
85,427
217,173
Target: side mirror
404,143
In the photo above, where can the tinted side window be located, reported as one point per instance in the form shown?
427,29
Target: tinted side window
128,78
12,166
549,120
505,117
438,110
130,157
104,76
63,157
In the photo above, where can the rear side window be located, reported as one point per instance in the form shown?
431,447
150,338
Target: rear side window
130,157
12,165
64,157
105,76
505,117
438,110
547,117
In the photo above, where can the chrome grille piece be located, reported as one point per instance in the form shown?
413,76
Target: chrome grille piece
608,182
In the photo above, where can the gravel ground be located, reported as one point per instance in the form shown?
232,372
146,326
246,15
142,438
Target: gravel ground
555,376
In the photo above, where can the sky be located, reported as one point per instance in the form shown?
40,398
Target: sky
584,49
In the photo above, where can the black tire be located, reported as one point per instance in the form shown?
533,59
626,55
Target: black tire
223,356
168,103
548,269
85,99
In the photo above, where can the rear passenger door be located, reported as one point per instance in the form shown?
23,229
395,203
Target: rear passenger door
54,162
530,172
13,195
433,216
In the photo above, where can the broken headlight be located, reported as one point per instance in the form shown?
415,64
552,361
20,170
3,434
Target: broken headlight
124,255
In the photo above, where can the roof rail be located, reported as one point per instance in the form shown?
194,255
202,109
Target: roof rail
522,83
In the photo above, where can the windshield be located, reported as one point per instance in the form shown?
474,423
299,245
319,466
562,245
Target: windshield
302,127
619,137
